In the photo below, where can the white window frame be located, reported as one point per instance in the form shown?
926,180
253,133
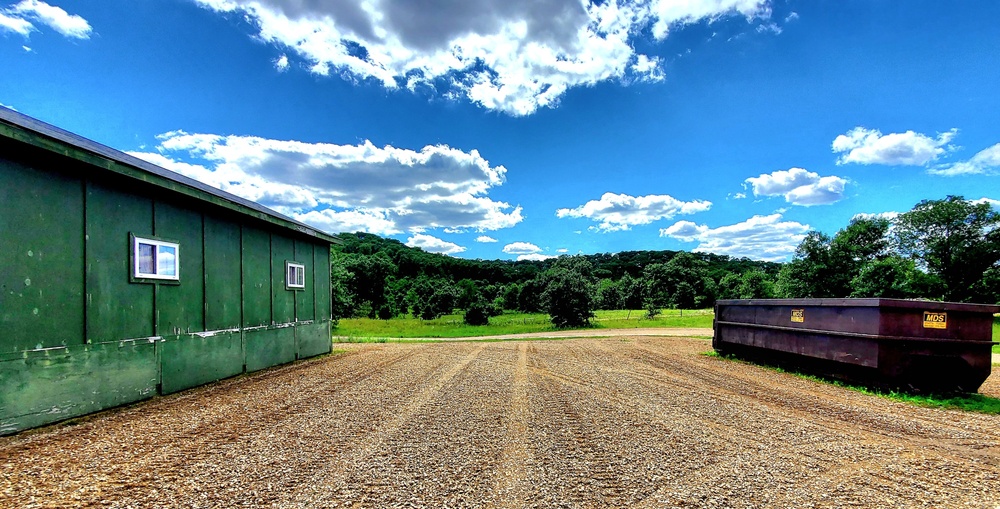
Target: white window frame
300,270
137,273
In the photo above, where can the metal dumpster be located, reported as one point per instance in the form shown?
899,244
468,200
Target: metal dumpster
912,345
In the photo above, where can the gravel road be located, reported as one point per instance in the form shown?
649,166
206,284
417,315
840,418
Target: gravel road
633,421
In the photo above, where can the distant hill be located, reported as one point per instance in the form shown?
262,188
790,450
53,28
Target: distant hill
413,262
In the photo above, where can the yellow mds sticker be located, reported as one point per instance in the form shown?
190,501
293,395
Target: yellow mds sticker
935,320
799,315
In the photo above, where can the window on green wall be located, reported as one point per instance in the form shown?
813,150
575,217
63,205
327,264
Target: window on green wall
295,275
155,259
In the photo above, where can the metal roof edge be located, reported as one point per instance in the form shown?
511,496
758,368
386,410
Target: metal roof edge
196,189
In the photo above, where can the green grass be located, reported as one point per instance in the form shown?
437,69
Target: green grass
451,326
967,402
996,333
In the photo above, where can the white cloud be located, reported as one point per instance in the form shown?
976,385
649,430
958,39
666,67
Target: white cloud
513,56
486,238
521,248
69,25
870,146
993,203
760,237
562,250
792,17
621,211
799,187
534,257
433,244
384,190
15,24
986,162
281,64
880,215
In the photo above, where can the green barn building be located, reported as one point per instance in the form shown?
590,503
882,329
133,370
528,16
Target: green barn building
120,280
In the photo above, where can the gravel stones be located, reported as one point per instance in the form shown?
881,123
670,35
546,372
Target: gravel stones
622,422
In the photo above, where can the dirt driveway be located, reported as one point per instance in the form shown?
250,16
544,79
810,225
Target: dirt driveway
625,422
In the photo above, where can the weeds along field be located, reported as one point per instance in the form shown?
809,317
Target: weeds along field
452,326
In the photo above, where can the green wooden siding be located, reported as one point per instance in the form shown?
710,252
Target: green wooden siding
305,300
256,277
78,334
191,360
41,265
223,285
269,347
50,385
321,255
313,339
180,307
116,307
282,299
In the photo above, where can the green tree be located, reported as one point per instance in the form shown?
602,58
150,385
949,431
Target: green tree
529,299
568,299
894,277
609,295
729,286
370,276
341,304
954,239
755,284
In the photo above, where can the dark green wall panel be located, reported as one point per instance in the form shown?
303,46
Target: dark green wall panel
269,347
116,308
321,274
223,285
282,300
313,339
191,360
256,277
41,259
47,386
180,308
305,301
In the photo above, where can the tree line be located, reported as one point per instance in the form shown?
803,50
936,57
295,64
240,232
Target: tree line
941,249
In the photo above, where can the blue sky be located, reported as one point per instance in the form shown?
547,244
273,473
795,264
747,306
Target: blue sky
532,128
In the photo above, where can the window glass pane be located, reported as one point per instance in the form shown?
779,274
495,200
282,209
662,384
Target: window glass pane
300,273
290,278
146,258
166,261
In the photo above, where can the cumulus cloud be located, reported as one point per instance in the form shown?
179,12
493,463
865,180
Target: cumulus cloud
383,190
513,56
799,187
760,237
562,250
18,18
281,64
521,248
486,238
433,244
879,215
621,211
15,24
986,162
536,257
993,203
870,146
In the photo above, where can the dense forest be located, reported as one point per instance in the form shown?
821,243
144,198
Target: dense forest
941,249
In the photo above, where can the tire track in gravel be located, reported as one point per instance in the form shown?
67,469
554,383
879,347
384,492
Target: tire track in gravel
190,431
510,486
868,439
338,470
835,413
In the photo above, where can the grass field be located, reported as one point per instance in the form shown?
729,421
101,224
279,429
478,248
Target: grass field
451,326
